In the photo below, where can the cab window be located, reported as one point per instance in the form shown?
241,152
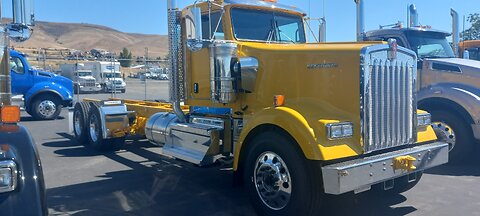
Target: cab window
219,34
16,65
474,53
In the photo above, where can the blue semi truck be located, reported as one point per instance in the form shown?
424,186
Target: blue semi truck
44,93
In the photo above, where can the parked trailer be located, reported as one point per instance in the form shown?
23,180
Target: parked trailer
300,120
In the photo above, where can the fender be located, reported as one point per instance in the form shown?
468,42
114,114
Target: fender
297,126
31,185
466,96
52,87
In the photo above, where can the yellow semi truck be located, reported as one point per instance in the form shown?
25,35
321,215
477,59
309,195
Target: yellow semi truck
299,119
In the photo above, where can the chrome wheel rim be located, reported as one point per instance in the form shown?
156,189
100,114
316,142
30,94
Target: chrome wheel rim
272,180
94,132
77,124
445,133
47,108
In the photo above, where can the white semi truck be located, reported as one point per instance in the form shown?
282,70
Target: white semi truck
108,75
83,80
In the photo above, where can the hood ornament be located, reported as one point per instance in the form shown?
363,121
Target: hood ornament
392,49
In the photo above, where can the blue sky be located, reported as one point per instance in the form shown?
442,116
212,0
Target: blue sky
149,16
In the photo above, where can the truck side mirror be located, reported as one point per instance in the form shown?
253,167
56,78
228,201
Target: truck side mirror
23,18
193,27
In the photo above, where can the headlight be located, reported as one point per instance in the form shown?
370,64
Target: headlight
8,176
424,119
340,130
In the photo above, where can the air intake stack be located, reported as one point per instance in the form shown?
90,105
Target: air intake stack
455,32
412,16
360,20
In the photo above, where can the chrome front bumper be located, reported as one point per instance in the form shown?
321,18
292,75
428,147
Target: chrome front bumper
360,174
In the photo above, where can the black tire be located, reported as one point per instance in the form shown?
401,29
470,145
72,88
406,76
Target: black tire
95,132
462,147
306,181
46,107
80,117
124,90
400,185
75,89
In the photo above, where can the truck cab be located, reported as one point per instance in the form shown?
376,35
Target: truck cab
470,48
108,75
44,93
448,86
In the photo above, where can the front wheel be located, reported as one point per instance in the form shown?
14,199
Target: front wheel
278,178
46,107
456,132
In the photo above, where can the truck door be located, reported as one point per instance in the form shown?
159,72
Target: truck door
199,62
22,78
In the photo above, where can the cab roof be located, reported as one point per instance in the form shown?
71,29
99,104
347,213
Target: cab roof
388,31
260,3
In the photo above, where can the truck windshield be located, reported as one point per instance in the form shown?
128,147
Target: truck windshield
268,26
430,46
112,75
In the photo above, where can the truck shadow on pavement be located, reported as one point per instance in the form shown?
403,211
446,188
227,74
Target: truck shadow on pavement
158,185
468,168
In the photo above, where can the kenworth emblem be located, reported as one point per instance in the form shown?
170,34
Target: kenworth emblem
324,65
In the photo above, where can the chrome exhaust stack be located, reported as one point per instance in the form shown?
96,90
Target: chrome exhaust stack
360,20
412,16
322,30
175,46
19,30
455,32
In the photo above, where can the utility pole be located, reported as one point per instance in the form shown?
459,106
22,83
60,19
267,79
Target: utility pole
44,59
114,75
145,62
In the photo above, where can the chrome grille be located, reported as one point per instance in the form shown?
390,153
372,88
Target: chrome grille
388,102
89,83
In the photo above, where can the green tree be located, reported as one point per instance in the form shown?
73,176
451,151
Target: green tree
472,33
125,58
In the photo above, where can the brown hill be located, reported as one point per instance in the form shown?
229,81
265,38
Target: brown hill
85,37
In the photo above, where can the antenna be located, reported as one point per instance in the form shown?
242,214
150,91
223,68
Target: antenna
463,31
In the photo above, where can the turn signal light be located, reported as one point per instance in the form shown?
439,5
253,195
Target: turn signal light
10,114
279,100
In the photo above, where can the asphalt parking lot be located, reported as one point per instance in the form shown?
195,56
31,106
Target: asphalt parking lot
138,180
